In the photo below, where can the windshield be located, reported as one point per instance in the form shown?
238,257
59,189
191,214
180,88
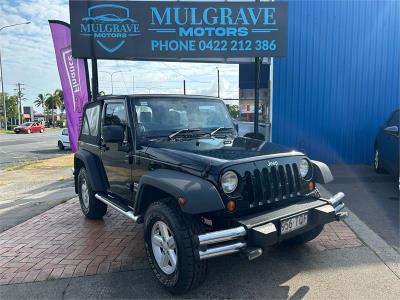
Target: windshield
27,124
162,116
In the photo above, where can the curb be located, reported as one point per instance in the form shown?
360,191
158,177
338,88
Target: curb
389,256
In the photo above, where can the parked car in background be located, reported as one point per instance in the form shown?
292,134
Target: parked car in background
63,139
29,127
387,146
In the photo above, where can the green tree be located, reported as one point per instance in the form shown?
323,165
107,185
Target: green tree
40,102
54,101
233,111
11,106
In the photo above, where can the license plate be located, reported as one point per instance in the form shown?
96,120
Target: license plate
293,223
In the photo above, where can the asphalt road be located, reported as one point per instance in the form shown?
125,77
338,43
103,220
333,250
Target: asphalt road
373,197
17,148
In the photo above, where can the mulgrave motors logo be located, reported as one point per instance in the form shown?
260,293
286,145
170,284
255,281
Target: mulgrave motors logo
110,25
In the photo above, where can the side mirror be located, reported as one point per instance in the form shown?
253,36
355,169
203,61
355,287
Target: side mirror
113,133
392,130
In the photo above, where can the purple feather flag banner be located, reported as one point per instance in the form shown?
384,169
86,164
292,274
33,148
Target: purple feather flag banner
73,76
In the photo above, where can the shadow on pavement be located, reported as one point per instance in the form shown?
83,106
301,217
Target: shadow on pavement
55,151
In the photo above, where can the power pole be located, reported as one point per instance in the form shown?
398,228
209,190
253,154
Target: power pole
19,90
184,87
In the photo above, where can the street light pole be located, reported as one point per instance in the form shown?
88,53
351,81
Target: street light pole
218,83
2,78
111,76
2,94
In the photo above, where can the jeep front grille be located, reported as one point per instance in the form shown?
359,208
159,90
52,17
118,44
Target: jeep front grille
272,184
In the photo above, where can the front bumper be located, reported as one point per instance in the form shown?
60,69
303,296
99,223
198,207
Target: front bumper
256,232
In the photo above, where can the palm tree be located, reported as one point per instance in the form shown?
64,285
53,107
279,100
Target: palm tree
40,101
54,101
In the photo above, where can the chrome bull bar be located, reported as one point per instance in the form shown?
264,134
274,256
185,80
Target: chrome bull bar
233,240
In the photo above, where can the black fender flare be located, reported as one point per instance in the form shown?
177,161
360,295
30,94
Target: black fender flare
322,173
201,195
95,170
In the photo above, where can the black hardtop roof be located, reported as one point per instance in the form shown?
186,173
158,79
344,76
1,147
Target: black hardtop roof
149,96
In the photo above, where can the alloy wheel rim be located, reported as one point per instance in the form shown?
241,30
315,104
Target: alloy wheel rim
376,161
85,193
164,247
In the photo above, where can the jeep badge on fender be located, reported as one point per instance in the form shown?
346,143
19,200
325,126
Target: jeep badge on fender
176,164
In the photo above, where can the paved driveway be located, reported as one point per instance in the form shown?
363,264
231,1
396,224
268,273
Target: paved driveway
374,198
105,259
62,243
16,148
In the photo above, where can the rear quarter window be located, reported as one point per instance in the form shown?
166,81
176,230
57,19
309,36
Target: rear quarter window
90,126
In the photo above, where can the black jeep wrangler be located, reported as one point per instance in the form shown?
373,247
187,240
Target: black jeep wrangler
176,164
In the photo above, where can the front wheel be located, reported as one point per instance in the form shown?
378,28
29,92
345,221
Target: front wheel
29,131
171,248
91,207
41,130
60,146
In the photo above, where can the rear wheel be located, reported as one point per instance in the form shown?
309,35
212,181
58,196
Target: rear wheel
171,248
306,236
60,145
91,207
41,130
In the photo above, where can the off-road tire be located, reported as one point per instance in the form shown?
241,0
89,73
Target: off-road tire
306,236
190,271
95,208
377,162
60,146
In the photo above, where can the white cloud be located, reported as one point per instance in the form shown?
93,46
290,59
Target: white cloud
28,57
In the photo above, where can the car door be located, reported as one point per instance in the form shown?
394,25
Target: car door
390,144
65,137
35,127
115,154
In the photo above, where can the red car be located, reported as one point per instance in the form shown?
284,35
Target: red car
29,127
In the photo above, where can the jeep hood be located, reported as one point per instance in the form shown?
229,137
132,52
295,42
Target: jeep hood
200,153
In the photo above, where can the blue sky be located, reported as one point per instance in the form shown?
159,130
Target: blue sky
28,57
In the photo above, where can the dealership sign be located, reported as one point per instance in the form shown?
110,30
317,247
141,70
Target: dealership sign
171,29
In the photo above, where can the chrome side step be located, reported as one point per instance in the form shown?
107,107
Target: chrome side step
127,213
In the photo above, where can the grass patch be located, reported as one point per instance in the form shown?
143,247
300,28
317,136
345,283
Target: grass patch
57,162
2,131
19,166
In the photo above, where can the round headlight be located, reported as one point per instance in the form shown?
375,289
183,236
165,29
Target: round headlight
304,168
229,182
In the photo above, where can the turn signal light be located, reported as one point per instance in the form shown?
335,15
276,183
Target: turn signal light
231,206
181,201
310,186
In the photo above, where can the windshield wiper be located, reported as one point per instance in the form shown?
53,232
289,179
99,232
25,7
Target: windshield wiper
214,132
186,130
